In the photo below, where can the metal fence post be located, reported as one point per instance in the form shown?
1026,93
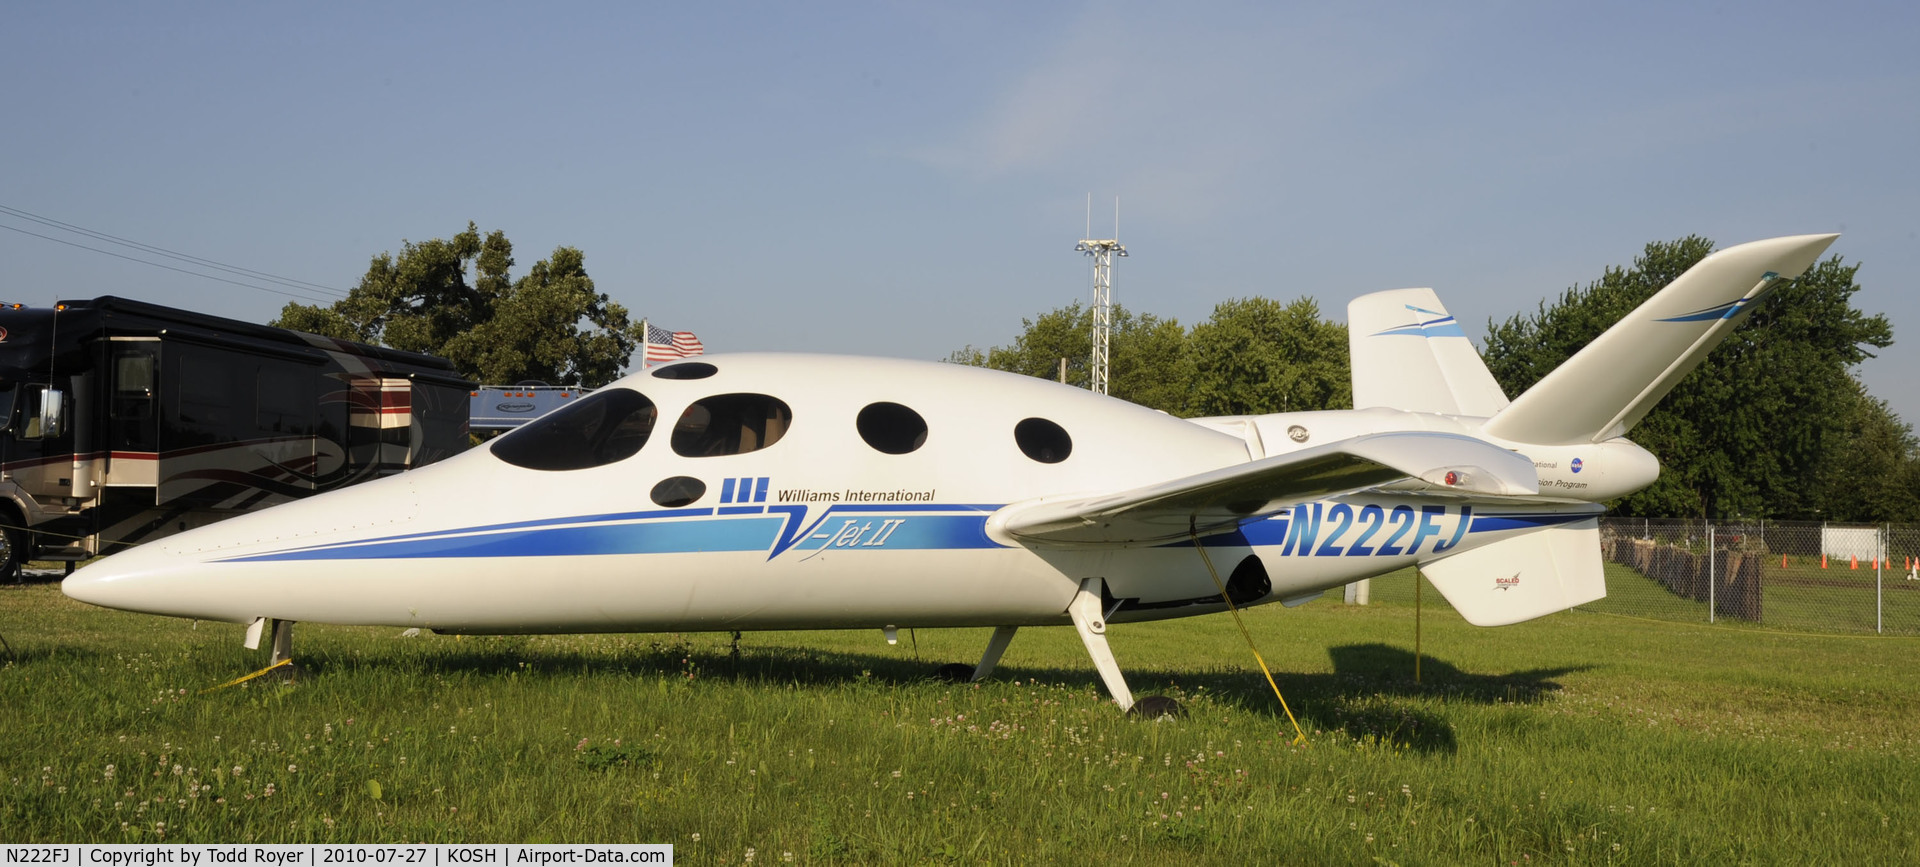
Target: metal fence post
1879,567
1710,576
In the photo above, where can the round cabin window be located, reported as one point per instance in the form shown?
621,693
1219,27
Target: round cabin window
891,428
1043,440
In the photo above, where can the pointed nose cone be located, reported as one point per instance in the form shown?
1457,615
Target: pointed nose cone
134,580
211,573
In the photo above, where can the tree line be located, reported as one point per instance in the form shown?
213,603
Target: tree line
1774,424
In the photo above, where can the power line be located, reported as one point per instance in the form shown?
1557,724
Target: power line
290,283
171,254
287,293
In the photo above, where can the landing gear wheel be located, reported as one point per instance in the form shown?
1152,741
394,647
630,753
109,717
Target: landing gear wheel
1156,708
954,672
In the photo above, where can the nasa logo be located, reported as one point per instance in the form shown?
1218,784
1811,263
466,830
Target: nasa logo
3,335
1575,465
1507,583
515,407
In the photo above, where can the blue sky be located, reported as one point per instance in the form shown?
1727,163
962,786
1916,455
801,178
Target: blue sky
905,179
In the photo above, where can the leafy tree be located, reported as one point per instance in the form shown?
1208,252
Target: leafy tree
1256,355
1875,476
1753,430
549,325
1145,353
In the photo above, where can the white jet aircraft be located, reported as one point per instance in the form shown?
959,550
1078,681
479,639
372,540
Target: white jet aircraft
824,492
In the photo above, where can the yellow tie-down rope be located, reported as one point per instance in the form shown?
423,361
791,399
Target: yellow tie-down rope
234,682
244,678
1300,737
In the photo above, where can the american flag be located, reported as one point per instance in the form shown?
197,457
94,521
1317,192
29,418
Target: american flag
664,345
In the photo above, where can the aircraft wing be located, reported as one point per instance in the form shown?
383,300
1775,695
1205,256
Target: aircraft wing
1224,498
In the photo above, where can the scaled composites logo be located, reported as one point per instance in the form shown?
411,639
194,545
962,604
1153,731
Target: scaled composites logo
1769,283
1427,323
1507,583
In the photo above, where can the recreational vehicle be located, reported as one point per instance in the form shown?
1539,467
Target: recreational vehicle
122,421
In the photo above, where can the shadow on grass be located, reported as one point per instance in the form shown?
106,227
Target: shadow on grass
754,664
1370,695
1366,694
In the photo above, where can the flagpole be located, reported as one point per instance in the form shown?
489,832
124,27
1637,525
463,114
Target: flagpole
645,341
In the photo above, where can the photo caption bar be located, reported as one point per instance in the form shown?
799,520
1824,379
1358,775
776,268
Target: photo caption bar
264,855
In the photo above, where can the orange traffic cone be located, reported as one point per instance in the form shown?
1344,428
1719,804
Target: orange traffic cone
1823,559
1856,561
1783,561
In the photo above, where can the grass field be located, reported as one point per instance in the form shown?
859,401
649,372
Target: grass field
1578,738
1800,596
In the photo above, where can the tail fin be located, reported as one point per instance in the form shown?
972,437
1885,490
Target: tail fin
1609,386
1547,570
1409,353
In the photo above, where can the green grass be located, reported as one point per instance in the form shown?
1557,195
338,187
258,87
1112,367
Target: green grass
1578,738
1800,596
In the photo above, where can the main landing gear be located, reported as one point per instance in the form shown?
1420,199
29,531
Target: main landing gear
281,663
1090,620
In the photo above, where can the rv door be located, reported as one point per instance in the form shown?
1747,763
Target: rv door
133,420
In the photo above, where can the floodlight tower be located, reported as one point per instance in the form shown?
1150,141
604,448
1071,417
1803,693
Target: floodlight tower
1102,253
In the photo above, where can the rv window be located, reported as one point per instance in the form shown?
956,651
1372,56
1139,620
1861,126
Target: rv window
730,424
285,402
207,400
42,413
891,428
603,427
133,375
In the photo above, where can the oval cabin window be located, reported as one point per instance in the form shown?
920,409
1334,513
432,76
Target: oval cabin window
891,428
686,370
730,424
678,491
1043,440
596,430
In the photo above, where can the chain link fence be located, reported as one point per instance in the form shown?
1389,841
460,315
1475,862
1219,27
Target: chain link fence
1802,576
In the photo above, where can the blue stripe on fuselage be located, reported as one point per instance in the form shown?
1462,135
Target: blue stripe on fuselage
659,537
669,531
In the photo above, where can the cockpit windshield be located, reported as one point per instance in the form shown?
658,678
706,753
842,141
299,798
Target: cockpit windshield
599,429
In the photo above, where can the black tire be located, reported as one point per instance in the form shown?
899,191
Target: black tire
13,549
954,672
1156,708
